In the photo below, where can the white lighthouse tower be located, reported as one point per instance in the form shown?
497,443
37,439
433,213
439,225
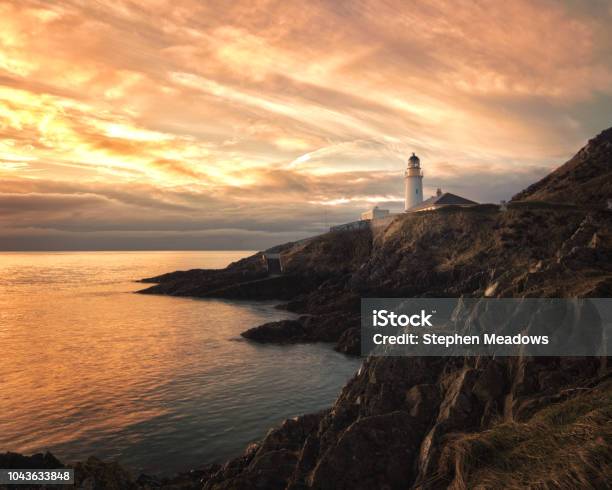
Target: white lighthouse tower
414,183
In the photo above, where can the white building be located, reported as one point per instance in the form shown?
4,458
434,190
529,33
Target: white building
413,196
375,213
440,200
413,179
413,200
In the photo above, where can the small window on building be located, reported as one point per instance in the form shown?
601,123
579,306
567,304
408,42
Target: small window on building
417,191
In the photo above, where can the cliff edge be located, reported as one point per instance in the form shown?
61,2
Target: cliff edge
434,423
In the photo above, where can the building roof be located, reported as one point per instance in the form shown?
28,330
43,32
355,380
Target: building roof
443,199
414,161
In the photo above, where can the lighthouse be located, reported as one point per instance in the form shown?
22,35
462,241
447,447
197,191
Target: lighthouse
376,218
413,177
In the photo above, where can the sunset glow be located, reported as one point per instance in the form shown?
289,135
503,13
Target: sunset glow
245,124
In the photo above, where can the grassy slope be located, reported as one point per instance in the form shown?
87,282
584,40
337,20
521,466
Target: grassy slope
517,250
585,179
565,445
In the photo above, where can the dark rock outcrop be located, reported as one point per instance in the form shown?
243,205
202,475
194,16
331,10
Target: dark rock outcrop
281,332
306,265
268,465
232,285
427,422
36,461
95,474
396,421
341,328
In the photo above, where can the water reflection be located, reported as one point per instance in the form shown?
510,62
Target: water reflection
88,368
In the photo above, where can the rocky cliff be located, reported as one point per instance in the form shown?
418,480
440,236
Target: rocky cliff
460,422
432,423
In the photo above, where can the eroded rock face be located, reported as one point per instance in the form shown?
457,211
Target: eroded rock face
391,424
307,265
349,342
394,425
270,464
373,452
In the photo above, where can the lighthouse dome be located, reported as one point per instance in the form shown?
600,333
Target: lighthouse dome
414,161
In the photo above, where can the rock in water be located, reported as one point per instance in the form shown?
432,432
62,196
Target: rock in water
281,332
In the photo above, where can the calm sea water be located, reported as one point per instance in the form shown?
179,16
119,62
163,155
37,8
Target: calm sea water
160,384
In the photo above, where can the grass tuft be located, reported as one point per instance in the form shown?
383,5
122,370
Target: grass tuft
563,446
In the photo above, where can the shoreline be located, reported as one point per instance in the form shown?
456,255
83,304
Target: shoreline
430,422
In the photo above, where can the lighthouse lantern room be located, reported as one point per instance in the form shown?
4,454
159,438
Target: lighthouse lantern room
413,195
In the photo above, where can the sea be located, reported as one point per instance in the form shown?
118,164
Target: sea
160,384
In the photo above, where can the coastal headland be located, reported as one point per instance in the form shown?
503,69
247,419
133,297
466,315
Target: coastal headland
429,423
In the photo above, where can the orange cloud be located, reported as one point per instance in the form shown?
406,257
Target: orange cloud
293,105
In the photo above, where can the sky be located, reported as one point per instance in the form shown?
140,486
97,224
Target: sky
189,124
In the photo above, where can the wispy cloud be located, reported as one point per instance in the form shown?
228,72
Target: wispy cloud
202,120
